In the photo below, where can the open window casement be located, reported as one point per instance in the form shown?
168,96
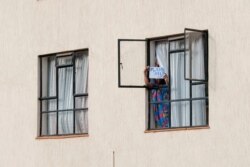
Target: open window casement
135,54
131,63
196,54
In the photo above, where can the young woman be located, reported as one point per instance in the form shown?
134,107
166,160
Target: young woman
159,93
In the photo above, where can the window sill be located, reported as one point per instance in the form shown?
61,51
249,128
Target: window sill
176,129
62,136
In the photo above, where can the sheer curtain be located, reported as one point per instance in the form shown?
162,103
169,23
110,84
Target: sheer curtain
180,111
81,67
65,97
49,90
162,55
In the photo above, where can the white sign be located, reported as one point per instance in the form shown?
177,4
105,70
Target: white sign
156,72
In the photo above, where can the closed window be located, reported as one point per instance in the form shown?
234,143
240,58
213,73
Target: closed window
64,93
178,98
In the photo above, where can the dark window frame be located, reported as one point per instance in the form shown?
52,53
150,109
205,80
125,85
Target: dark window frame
192,81
75,95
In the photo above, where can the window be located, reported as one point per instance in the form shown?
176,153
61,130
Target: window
64,93
180,101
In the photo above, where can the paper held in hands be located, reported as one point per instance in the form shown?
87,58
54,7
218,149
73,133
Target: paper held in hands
156,72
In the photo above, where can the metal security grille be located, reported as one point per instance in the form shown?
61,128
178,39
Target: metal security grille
49,99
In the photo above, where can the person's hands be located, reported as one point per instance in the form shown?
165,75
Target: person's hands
146,70
166,78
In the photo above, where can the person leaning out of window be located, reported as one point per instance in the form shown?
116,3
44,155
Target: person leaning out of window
159,95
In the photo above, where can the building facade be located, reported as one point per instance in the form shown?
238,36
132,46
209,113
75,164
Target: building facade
118,134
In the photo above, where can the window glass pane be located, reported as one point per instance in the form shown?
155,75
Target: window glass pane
49,105
195,46
177,45
81,102
48,76
198,91
64,60
65,88
179,86
81,122
180,89
81,72
199,107
65,122
49,123
133,61
199,111
188,69
180,114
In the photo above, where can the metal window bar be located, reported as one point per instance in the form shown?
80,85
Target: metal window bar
191,102
74,77
65,134
182,127
57,102
47,98
64,66
40,128
148,93
180,100
76,109
199,83
81,95
176,51
169,76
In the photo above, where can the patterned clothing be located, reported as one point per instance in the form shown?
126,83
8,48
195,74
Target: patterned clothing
161,110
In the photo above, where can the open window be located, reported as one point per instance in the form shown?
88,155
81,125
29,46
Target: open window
181,101
196,54
131,62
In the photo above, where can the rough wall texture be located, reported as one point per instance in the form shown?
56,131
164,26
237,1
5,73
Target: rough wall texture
116,118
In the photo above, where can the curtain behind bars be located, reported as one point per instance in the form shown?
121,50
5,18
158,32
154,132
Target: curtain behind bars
49,89
81,69
65,95
198,66
180,111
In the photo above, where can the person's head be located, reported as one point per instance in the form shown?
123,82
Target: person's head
156,63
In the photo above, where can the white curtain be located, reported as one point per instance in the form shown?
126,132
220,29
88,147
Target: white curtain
198,71
180,111
162,55
65,98
81,67
49,90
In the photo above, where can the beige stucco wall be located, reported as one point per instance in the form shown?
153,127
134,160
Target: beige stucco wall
117,116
